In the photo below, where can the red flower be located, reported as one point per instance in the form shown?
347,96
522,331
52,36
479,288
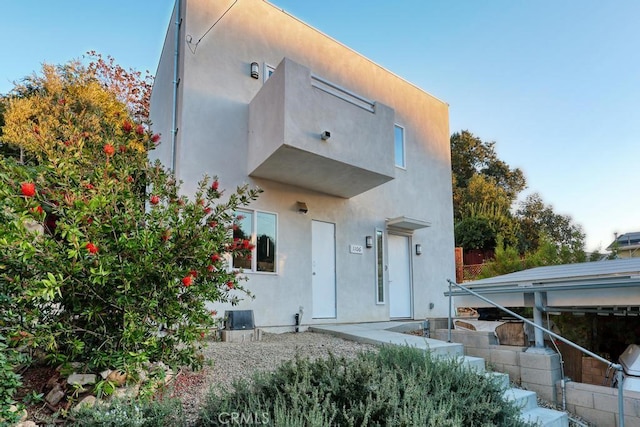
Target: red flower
28,189
202,335
90,186
214,312
129,179
37,210
62,101
127,126
193,273
67,143
200,202
215,258
210,267
36,130
245,244
166,235
154,200
93,249
155,138
108,149
207,210
140,130
187,281
213,224
122,148
214,185
230,284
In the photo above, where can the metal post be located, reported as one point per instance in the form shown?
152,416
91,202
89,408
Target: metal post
537,319
449,322
619,377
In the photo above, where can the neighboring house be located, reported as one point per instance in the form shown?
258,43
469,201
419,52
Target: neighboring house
355,222
626,245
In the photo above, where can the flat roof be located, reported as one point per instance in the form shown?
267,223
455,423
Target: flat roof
598,283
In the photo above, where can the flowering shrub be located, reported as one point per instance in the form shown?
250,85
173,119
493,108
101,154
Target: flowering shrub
94,268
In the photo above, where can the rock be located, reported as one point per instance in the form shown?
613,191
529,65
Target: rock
81,379
104,374
117,377
128,392
23,416
53,380
88,401
55,395
27,424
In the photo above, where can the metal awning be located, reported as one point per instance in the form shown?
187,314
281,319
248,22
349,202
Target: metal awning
590,284
406,224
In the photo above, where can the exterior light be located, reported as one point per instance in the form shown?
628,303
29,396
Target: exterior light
302,208
255,70
369,241
418,249
325,135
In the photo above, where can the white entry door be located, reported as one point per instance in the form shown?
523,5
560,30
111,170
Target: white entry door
323,265
399,276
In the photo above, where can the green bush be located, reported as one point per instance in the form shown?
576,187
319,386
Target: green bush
10,381
398,386
128,413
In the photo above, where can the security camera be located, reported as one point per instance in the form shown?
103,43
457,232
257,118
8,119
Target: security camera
325,135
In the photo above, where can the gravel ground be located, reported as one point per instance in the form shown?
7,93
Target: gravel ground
234,361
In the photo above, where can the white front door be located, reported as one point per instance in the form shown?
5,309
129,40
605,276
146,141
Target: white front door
399,276
323,266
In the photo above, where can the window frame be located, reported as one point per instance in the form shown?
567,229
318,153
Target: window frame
267,71
404,147
254,241
380,264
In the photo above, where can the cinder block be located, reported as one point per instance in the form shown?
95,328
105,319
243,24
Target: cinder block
580,397
513,371
599,418
546,392
605,402
540,361
506,357
478,352
540,376
241,336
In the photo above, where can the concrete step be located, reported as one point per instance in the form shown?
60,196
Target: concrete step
474,363
546,417
501,378
524,399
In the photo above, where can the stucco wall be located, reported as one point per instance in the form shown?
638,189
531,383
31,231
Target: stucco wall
215,92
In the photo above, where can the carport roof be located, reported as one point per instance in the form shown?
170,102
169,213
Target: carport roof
587,275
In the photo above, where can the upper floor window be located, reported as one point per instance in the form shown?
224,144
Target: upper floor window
260,230
398,137
268,70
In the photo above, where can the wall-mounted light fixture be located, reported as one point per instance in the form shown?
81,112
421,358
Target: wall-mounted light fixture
302,208
369,241
325,135
418,249
255,70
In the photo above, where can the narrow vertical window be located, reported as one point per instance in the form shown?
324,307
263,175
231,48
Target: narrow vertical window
242,230
266,242
399,146
268,70
379,268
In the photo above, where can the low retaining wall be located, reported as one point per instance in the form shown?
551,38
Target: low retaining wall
531,371
599,404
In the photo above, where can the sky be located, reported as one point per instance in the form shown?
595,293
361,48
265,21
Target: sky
556,84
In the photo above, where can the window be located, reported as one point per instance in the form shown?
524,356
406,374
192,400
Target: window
398,136
268,70
379,268
260,229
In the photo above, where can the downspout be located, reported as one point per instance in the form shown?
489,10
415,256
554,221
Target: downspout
176,81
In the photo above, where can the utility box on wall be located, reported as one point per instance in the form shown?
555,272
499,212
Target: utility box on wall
238,320
239,326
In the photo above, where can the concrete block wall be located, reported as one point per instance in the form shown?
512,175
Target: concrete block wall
532,371
594,371
599,404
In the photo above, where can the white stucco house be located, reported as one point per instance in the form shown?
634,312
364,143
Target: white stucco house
356,221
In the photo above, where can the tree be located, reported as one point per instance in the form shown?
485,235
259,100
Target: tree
104,261
539,219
